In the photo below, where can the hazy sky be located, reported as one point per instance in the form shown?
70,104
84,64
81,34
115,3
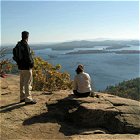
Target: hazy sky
52,21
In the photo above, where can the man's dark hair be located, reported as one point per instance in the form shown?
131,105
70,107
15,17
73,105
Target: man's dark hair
25,35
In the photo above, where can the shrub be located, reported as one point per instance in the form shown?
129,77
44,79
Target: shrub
47,77
5,64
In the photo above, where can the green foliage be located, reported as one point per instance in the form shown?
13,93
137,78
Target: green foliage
5,64
128,89
47,77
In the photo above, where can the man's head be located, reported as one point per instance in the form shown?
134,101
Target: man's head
25,35
80,69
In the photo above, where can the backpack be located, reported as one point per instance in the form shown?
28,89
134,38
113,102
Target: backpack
17,53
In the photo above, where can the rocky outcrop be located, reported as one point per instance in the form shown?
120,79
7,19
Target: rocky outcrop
62,116
108,112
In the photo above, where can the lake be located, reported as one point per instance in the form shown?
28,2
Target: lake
104,69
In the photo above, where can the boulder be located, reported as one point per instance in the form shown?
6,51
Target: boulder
108,112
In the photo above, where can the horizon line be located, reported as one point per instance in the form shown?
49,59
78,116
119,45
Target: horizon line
55,42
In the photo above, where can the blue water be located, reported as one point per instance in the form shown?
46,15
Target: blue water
104,69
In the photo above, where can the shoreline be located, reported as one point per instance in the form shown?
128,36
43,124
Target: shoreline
102,52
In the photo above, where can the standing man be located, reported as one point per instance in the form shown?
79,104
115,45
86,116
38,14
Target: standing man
23,57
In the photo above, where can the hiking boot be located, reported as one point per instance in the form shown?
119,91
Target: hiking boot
31,102
23,100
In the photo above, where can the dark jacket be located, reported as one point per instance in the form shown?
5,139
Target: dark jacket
27,61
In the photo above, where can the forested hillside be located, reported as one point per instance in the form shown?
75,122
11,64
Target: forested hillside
128,89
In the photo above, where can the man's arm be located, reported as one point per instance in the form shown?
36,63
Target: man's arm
28,56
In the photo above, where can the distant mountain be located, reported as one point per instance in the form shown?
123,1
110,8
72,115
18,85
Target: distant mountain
90,44
80,44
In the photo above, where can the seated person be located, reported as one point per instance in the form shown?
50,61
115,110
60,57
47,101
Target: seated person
82,83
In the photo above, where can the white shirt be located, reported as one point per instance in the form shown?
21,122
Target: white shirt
82,83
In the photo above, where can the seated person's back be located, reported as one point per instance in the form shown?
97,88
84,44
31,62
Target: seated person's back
82,83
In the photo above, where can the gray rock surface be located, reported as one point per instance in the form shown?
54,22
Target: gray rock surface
62,116
111,113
